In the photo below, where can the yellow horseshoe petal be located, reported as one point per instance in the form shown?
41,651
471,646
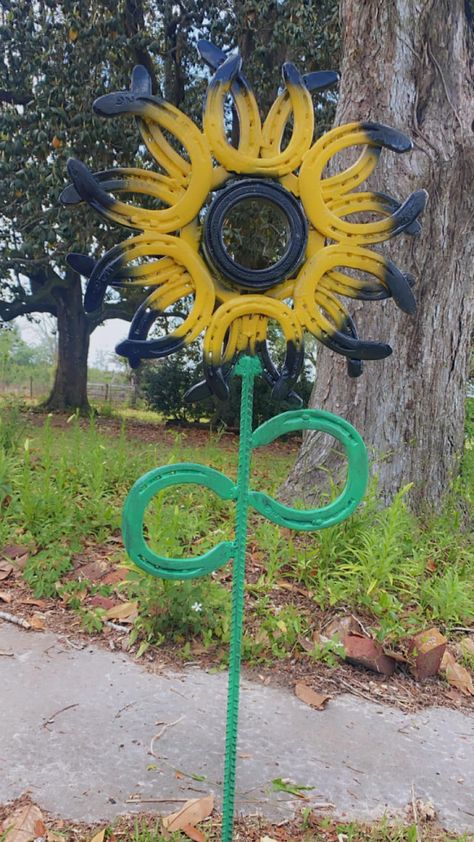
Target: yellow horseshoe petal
196,274
227,313
237,160
314,197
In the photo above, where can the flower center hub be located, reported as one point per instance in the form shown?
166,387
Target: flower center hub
255,233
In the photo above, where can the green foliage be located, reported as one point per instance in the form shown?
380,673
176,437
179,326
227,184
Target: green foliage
180,611
63,486
165,384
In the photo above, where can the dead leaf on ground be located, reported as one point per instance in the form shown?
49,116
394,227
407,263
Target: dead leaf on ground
5,597
310,697
38,603
193,833
126,612
40,828
288,586
22,823
191,813
17,554
466,645
339,627
100,836
457,675
37,622
267,839
6,569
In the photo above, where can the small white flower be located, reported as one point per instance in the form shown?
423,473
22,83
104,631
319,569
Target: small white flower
196,607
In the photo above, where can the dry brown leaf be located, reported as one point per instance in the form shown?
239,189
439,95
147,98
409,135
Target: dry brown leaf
288,586
40,828
126,612
466,645
456,675
193,833
38,603
16,554
99,837
22,823
6,569
55,837
310,697
13,551
267,839
37,622
192,812
5,597
305,644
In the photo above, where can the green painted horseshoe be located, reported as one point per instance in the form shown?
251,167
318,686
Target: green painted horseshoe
357,477
156,480
140,495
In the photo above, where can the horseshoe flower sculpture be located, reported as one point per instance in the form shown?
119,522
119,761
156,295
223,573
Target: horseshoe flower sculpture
180,251
186,256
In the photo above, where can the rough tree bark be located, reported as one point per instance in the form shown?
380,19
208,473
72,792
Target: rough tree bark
407,63
69,390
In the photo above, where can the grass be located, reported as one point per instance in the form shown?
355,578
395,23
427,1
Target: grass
63,489
307,827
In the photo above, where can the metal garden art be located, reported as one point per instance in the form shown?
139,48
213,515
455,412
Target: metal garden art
182,250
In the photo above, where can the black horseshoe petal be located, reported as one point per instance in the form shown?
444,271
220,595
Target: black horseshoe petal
291,75
400,288
217,381
227,71
408,211
387,137
271,374
87,186
393,205
211,55
357,349
81,263
354,367
137,347
320,80
141,83
101,276
112,179
148,349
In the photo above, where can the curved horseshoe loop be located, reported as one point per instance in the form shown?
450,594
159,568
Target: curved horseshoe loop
141,494
155,481
357,478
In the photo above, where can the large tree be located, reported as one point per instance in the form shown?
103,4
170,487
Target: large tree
57,56
407,64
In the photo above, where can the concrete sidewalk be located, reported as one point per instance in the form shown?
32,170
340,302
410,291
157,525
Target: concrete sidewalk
76,727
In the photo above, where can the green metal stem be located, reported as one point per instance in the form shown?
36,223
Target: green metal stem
247,368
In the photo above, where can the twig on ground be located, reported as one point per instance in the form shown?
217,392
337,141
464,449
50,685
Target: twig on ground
116,626
18,621
75,645
160,733
53,716
132,800
7,654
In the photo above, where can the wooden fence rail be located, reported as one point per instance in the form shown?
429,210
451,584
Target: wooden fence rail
113,393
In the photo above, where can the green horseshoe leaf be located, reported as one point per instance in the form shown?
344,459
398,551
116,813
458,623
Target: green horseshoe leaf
156,480
358,469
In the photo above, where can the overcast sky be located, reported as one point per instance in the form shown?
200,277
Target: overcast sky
103,340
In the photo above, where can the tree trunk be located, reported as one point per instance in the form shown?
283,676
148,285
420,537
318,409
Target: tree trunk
406,63
69,391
